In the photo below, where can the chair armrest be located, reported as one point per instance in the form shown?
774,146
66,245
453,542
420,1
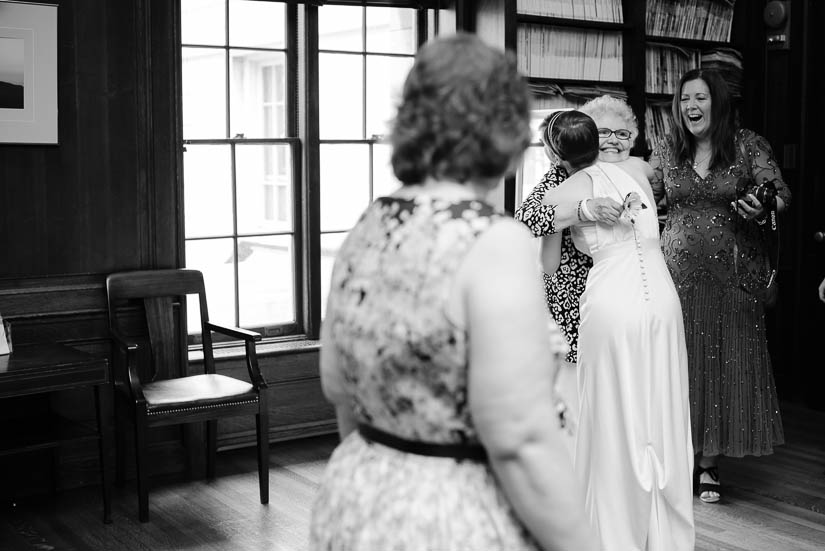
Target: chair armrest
236,332
249,338
130,350
122,341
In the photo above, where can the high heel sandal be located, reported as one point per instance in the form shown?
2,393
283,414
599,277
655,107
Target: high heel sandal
706,489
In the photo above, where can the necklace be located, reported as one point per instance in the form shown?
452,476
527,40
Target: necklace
697,162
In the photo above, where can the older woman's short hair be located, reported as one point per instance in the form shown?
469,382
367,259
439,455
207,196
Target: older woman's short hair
464,113
610,105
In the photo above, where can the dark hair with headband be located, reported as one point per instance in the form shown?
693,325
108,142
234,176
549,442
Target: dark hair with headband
572,136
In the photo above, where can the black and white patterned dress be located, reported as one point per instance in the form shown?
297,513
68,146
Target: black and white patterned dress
562,289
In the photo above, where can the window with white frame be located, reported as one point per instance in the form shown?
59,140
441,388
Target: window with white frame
244,192
364,54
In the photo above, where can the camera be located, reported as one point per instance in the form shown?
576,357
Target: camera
765,193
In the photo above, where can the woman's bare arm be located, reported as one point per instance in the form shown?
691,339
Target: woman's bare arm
512,366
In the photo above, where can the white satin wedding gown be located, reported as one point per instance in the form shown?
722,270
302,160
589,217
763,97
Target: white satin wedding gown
633,445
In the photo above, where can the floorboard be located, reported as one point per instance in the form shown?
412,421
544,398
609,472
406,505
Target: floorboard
771,503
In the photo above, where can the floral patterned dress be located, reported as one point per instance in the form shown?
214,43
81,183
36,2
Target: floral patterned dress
405,368
718,261
562,289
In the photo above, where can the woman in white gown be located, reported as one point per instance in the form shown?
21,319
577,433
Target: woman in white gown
633,447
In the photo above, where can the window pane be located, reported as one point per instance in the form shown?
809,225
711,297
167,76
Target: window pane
330,244
263,180
341,96
204,93
203,22
266,277
391,30
385,78
207,184
257,95
533,167
345,189
341,28
215,258
384,181
256,24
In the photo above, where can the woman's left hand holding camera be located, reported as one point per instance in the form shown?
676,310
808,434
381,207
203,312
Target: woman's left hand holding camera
749,207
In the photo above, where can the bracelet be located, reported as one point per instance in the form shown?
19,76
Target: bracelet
585,211
579,211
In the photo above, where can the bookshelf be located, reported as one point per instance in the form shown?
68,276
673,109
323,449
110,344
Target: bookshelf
574,50
681,35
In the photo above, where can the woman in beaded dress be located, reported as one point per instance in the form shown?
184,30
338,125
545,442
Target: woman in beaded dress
714,243
633,450
435,338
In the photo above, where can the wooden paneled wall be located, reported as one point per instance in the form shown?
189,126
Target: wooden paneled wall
108,198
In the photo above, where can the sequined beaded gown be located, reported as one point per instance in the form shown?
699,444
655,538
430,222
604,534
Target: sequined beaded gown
405,367
633,449
717,260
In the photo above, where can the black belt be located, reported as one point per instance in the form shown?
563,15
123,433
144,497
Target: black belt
472,452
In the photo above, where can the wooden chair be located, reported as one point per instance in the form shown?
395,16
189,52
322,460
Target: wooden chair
151,373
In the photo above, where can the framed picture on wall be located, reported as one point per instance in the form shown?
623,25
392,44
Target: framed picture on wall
28,73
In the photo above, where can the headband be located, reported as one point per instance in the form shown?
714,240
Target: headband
548,133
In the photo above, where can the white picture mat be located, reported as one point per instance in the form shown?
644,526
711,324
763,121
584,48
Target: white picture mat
36,25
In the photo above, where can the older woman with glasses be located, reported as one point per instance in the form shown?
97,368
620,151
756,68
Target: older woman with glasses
617,129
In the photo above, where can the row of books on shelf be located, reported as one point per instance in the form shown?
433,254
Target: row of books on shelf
556,52
658,122
665,64
589,10
695,19
549,95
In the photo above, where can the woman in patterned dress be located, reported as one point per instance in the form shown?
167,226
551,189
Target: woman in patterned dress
617,133
713,240
435,338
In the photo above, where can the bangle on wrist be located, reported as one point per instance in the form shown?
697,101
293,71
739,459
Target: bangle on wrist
579,211
586,214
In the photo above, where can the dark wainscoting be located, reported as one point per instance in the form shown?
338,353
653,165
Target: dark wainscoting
72,310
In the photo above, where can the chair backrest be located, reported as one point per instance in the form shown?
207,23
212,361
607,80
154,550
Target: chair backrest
150,305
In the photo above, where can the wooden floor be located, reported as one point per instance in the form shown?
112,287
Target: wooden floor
773,503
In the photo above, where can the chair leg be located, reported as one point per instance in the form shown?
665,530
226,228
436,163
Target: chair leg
120,444
211,447
141,468
262,424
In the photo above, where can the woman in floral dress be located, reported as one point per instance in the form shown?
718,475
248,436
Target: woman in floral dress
435,338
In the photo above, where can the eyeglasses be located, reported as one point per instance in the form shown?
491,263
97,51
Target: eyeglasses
622,134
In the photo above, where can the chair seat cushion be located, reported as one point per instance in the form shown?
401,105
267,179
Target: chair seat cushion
195,390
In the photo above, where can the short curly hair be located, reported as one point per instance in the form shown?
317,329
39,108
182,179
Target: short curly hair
464,113
611,105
